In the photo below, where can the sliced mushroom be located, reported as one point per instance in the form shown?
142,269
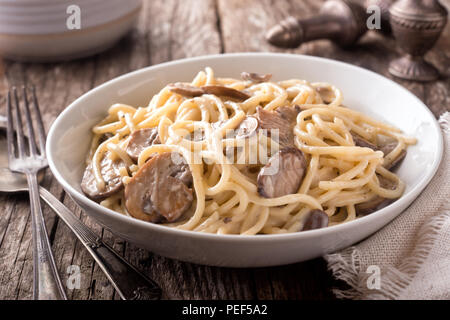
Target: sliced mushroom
180,170
378,202
184,89
282,120
388,149
225,92
361,142
247,127
110,171
158,192
283,174
326,94
255,77
141,139
316,219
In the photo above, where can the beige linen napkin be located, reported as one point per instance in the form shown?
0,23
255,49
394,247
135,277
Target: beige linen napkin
410,257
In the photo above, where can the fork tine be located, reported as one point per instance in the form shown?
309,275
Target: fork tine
31,137
40,124
10,128
19,127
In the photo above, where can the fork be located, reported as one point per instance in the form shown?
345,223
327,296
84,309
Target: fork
46,282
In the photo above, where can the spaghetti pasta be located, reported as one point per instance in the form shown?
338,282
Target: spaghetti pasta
225,165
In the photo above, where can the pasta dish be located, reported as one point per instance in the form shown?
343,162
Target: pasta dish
244,156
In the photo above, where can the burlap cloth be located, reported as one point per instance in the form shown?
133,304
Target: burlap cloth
410,257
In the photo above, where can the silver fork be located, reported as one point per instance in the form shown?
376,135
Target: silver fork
46,282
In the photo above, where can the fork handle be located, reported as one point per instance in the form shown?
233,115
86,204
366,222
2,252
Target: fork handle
129,283
46,282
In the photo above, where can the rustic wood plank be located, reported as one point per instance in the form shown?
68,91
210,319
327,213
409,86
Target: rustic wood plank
13,250
244,23
171,30
194,29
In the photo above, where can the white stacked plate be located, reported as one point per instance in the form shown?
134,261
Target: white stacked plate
46,30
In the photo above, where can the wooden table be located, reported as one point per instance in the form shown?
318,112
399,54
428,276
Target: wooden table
168,30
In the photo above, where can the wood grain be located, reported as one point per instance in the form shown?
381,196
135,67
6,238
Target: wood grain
168,30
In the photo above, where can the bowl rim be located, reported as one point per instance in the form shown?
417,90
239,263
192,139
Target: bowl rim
408,197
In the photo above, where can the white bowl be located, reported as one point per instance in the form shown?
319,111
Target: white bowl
33,30
69,138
